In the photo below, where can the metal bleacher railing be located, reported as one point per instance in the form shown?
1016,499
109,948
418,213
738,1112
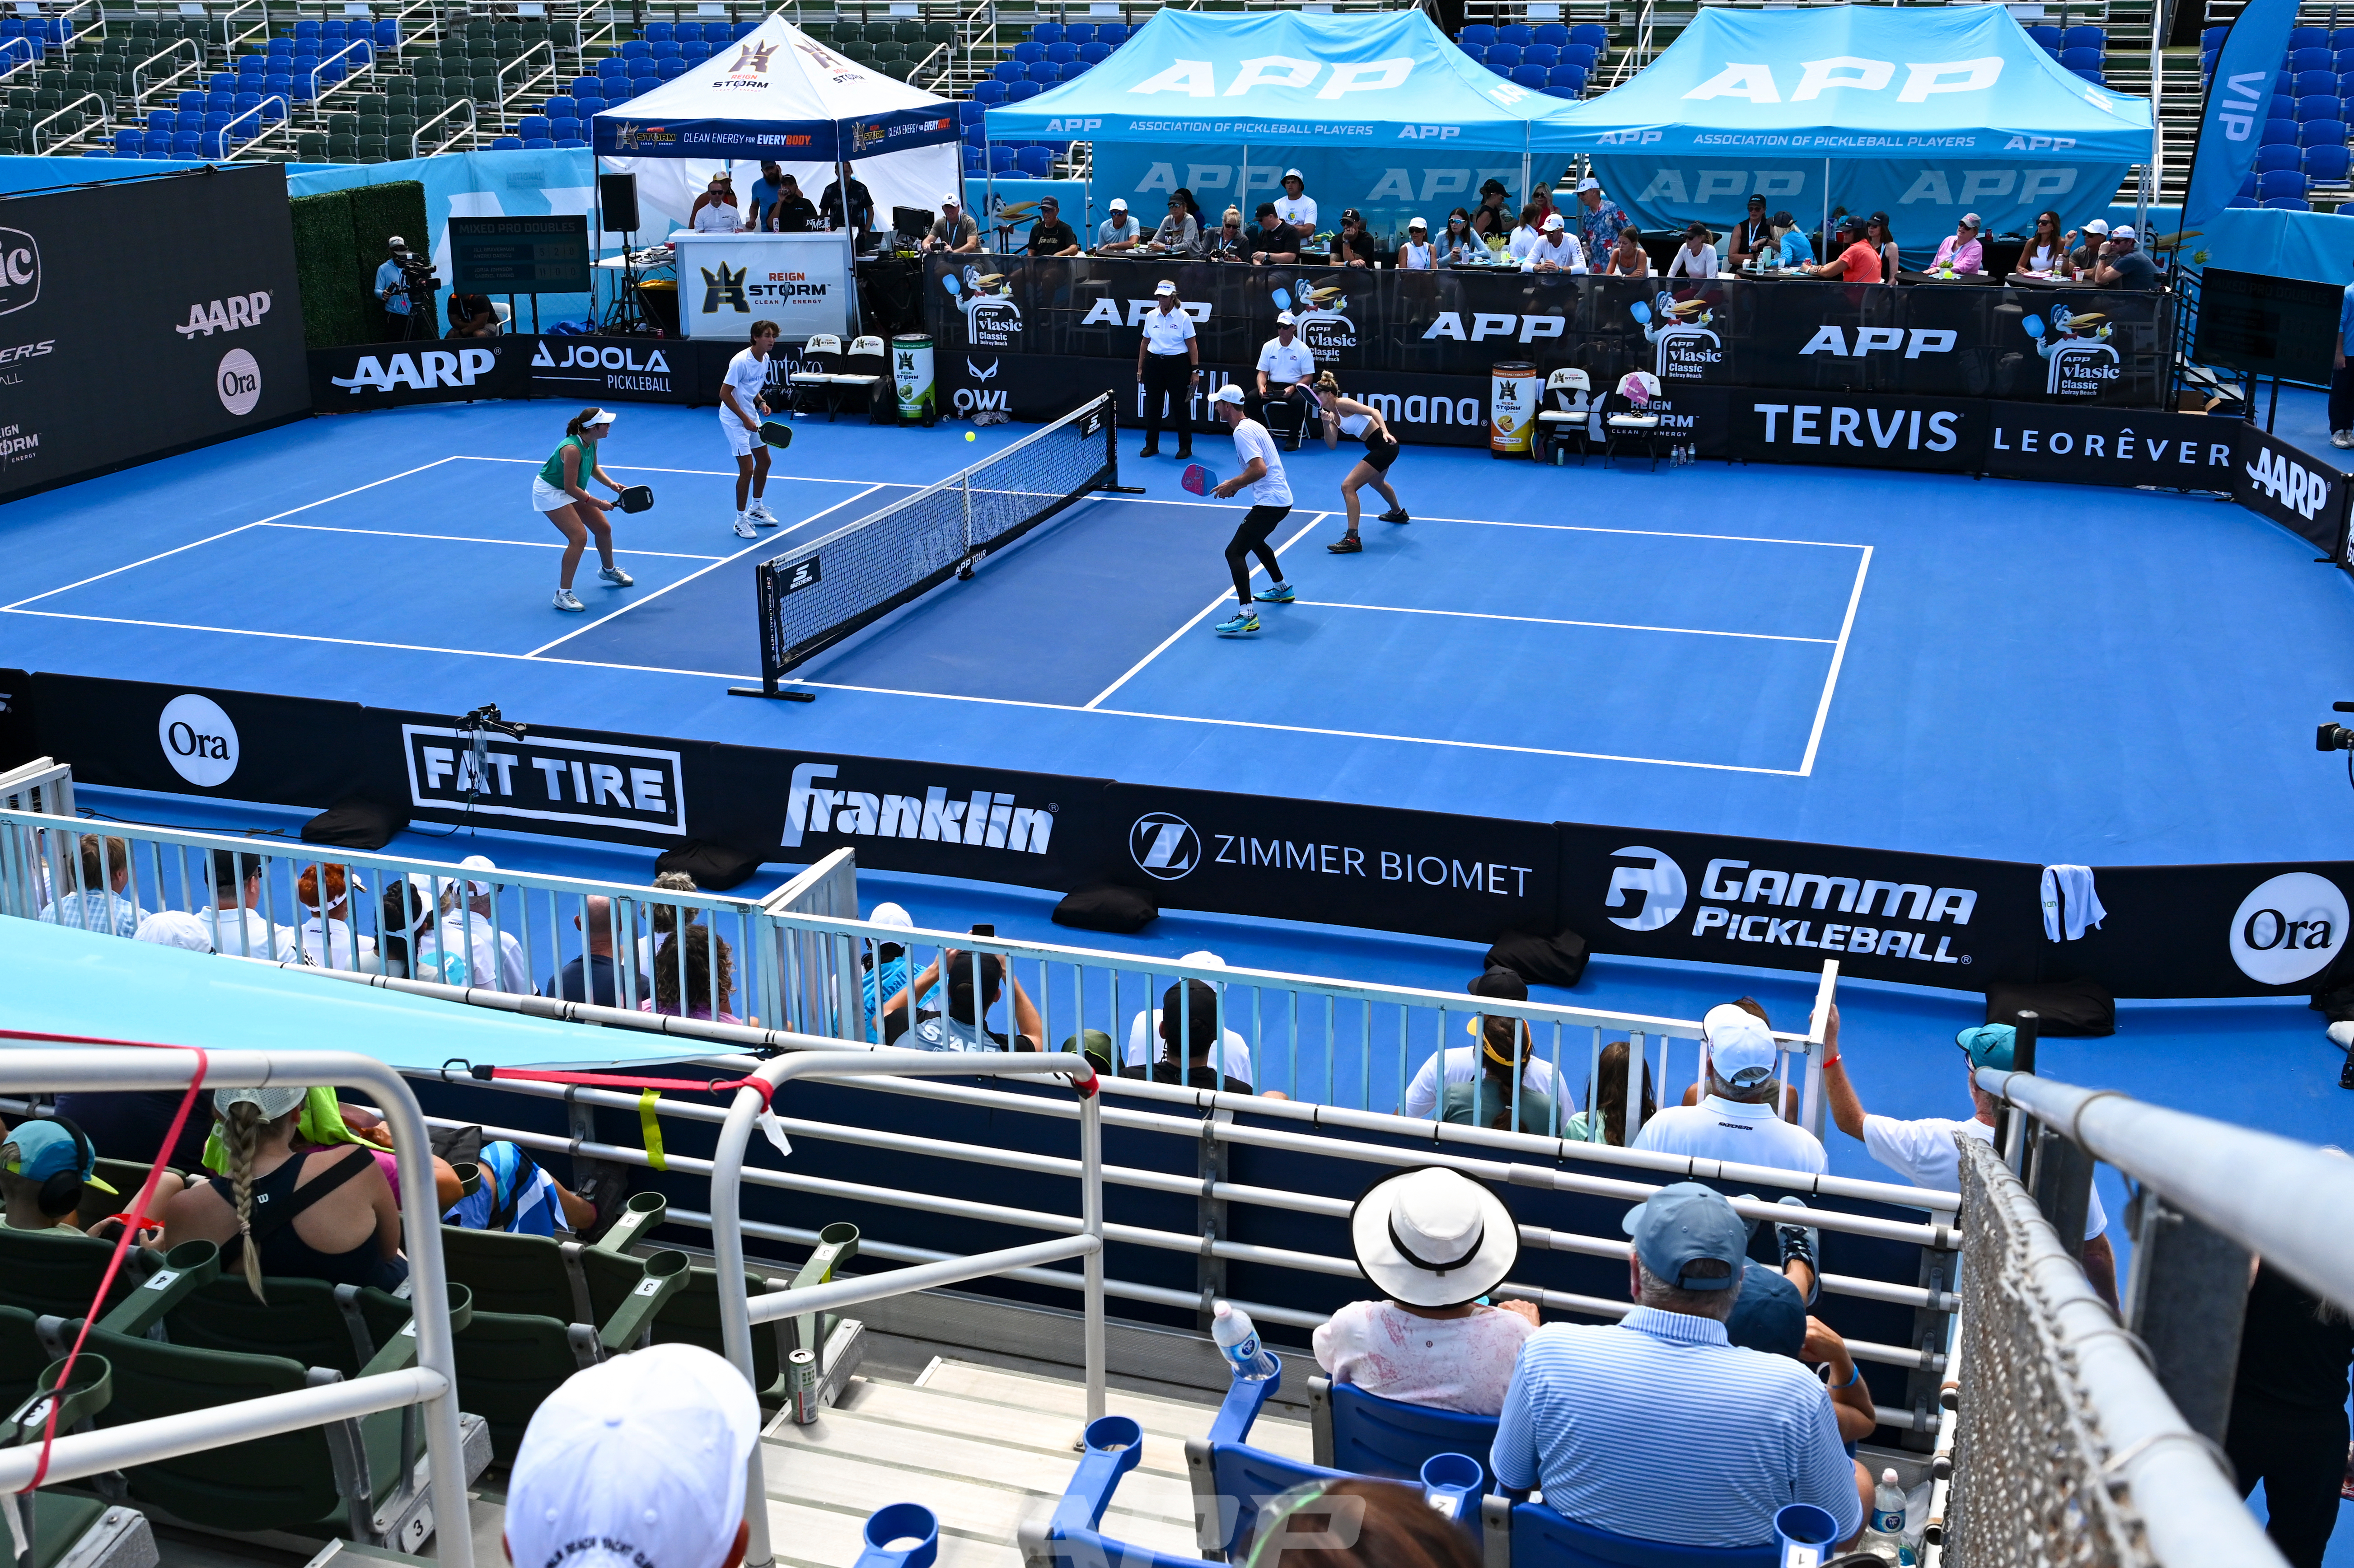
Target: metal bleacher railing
430,1383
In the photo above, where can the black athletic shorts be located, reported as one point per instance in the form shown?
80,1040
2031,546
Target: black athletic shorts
1381,454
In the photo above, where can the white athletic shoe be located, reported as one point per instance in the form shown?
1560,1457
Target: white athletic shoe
758,513
566,599
743,526
617,576
2341,437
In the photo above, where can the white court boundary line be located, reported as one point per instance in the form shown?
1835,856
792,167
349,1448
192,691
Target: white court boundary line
1839,657
1170,639
469,539
1550,621
648,468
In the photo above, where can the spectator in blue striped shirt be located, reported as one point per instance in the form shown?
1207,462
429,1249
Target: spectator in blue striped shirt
1659,1427
99,906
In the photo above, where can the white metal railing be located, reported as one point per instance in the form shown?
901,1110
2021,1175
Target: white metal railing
432,1382
366,66
230,37
141,87
737,1311
803,966
259,115
72,106
509,94
417,148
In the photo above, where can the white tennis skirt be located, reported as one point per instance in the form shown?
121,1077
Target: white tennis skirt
546,497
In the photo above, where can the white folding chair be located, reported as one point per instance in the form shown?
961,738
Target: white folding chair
825,350
1571,393
1622,421
868,362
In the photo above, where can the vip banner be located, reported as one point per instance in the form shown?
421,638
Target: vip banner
1923,919
2239,98
2077,445
207,328
393,375
1932,920
2302,493
2020,344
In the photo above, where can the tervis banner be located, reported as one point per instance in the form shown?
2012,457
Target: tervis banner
2238,99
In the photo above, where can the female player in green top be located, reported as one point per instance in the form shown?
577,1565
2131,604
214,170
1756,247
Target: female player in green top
560,489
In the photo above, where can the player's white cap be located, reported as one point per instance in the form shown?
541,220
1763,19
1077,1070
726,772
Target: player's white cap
1229,393
1552,222
1163,287
601,417
1741,1049
1283,318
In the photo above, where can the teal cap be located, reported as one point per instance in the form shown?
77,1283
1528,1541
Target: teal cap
1990,1045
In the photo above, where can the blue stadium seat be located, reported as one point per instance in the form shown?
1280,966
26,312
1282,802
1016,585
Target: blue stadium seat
539,143
1478,52
989,90
2085,37
2081,60
1074,69
592,106
2309,82
1078,32
2094,77
976,161
1023,91
1529,76
532,125
191,103
163,120
1032,53
1368,1435
309,29
2248,186
1002,159
2326,165
1540,54
2307,37
1516,34
636,49
2343,38
2283,107
694,33
246,100
2321,133
1008,70
2249,202
670,70
132,144
1593,33
1571,94
221,82
1034,162
2286,204
2285,84
97,152
613,65
2279,155
1095,53
184,143
643,80
1062,53
2346,83
976,135
2319,106
1540,1538
1579,54
387,34
584,87
506,145
1569,76
2212,39
660,33
281,85
1478,33
563,106
2280,182
1111,33
1047,33
2303,61
1045,72
1553,33
562,129
2045,37
696,51
741,30
564,145
282,46
220,99
1505,55
970,111
664,49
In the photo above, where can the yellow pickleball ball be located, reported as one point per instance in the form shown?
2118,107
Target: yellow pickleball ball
967,435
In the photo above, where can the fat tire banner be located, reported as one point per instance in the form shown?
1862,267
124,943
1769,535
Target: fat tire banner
1921,919
195,295
2063,345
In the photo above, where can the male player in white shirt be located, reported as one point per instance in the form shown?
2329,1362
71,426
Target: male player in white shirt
1295,205
1286,374
1262,470
1738,1119
740,408
1922,1151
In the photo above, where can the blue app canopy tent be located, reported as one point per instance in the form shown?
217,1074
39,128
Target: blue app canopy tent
1923,112
1222,102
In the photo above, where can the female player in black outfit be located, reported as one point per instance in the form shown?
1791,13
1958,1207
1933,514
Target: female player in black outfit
1346,416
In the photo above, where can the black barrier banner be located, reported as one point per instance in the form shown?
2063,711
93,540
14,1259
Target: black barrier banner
592,370
115,348
1919,919
1922,919
394,374
2079,445
1926,435
2022,344
1468,878
2303,493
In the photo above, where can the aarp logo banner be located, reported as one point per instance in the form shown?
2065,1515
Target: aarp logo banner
2304,493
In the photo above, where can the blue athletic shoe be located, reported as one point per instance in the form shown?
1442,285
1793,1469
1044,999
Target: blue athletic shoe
1240,625
1279,594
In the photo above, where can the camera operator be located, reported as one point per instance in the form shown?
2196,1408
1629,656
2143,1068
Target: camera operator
392,291
472,315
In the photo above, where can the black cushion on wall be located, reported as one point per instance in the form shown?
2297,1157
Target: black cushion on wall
2062,1007
713,866
355,822
1105,907
1541,960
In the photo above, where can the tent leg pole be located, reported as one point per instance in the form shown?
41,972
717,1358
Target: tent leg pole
1827,209
1242,191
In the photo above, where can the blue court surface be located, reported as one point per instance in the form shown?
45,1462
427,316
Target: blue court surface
2023,671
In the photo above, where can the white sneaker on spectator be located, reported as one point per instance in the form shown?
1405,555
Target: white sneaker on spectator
743,526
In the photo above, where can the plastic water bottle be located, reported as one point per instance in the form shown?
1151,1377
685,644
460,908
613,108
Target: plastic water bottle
1238,1338
1885,1537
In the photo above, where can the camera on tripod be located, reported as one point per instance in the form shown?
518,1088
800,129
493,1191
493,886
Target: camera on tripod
417,274
2335,737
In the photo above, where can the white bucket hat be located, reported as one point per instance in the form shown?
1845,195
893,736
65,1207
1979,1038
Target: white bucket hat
1434,1237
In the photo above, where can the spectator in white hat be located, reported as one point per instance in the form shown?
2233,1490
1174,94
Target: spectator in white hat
1417,254
954,230
1234,1050
1961,250
1556,249
1295,205
1602,219
475,948
883,973
1433,1242
1119,233
2084,252
637,1462
2122,265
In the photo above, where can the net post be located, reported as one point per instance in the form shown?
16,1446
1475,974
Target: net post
763,588
1112,452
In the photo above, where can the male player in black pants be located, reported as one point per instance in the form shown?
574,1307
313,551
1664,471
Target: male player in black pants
1168,359
1262,470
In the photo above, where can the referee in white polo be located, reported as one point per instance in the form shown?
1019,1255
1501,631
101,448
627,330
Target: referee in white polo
1167,362
1286,374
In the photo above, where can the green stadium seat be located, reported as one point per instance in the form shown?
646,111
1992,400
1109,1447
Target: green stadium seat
310,148
65,1525
342,150
58,1273
370,146
308,1321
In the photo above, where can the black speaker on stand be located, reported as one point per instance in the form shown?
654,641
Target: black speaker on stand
617,200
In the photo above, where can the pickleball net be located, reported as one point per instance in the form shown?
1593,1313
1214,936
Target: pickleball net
816,594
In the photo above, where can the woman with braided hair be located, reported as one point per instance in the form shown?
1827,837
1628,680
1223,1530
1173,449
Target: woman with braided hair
314,1215
1344,415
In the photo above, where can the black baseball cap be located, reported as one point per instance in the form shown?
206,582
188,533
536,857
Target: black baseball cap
1266,209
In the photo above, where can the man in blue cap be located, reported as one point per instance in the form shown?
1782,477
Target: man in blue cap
1923,1152
1659,1426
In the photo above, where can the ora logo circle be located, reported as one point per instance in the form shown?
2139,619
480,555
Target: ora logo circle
238,381
1647,885
2288,928
198,740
